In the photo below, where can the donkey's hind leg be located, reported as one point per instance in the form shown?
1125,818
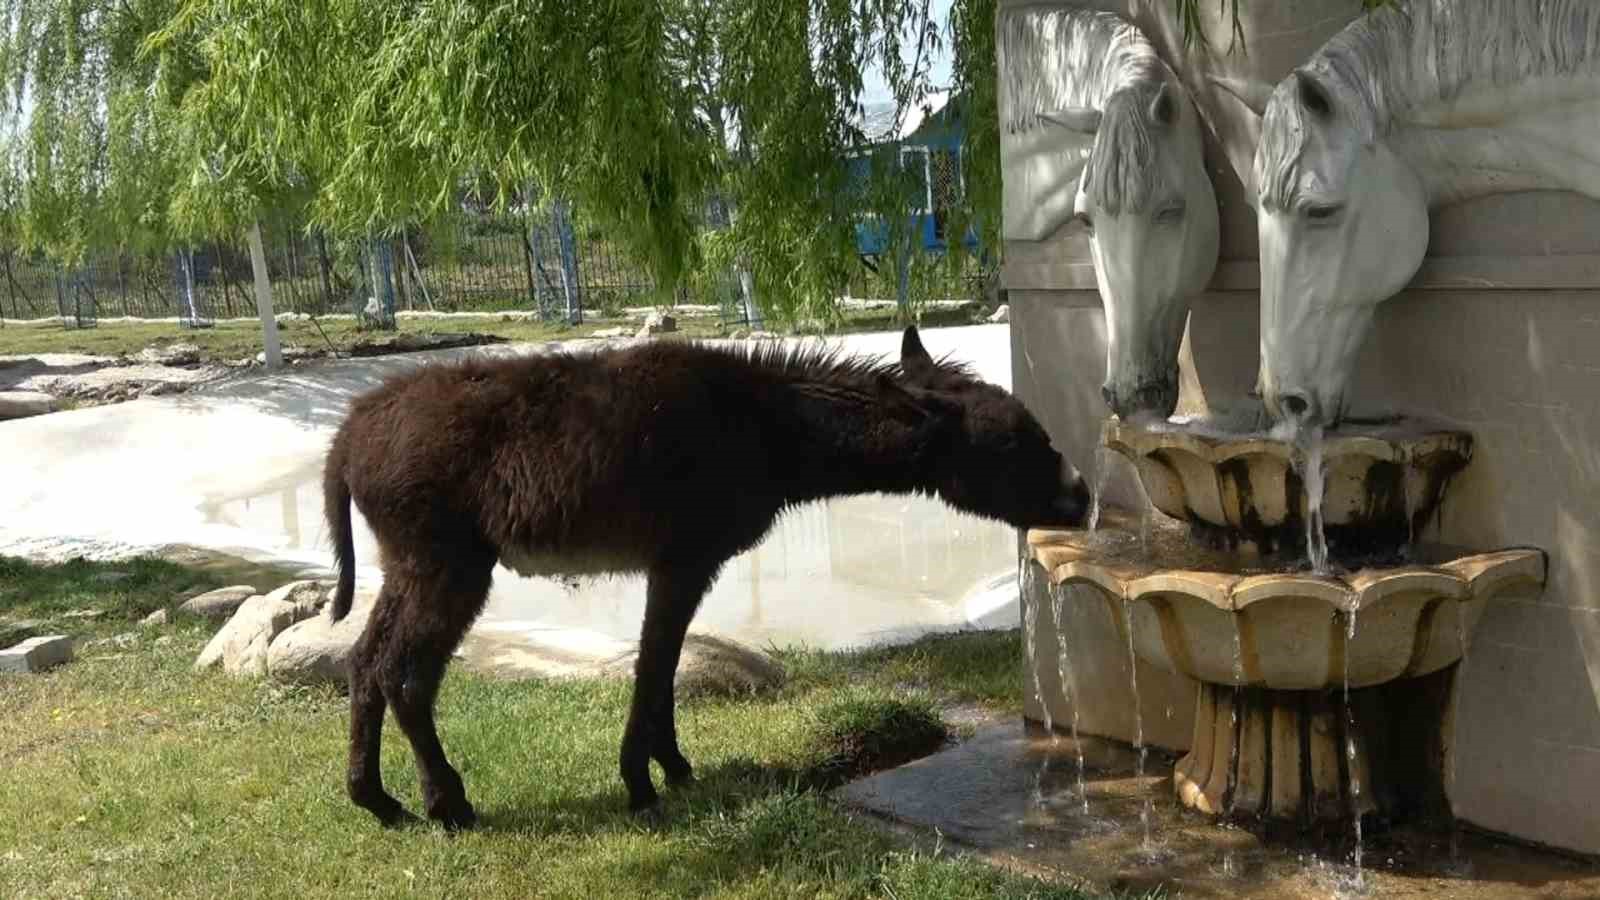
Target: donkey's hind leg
437,606
365,778
673,595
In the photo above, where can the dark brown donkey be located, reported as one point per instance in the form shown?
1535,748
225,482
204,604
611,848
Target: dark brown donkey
666,458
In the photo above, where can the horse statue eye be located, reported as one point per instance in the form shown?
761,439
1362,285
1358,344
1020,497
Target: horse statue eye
1323,212
1170,216
1084,219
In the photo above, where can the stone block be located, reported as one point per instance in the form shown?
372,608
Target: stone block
37,654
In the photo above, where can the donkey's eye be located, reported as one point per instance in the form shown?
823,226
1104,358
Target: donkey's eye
1323,213
1172,215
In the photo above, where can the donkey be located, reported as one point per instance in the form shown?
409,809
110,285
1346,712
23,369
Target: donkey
1095,129
667,458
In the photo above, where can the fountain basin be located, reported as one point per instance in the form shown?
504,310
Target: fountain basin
1285,660
1244,489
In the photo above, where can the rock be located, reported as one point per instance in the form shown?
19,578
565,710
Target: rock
86,614
317,649
19,630
241,646
171,355
290,353
159,617
37,654
738,334
1003,314
609,333
163,641
121,642
763,336
21,404
657,322
307,597
714,666
218,604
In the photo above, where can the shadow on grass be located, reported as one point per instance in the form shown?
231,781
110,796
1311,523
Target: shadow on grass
854,737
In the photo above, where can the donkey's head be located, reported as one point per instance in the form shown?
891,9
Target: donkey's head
995,459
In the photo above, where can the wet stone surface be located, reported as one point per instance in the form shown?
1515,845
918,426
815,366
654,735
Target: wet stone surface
1013,796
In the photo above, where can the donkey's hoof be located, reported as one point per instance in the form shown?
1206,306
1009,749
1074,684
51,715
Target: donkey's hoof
645,806
455,816
387,810
676,769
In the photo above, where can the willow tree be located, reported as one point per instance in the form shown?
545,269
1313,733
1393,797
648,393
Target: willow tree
636,111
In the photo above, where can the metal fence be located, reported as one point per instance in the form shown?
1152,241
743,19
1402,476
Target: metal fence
549,262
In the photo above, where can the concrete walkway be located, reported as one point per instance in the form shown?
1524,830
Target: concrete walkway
236,468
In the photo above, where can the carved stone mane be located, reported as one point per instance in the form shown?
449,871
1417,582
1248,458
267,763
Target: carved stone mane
1423,62
1053,58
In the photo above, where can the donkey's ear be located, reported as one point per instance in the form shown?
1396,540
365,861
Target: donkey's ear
914,358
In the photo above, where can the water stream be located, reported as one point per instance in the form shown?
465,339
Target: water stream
1069,684
1350,743
1313,475
1458,863
1103,458
1030,616
1145,814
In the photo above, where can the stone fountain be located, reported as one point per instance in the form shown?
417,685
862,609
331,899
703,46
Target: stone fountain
1303,670
1330,610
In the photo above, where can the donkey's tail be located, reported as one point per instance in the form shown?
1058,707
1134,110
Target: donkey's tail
336,506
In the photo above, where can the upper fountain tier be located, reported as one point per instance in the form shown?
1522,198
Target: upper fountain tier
1246,488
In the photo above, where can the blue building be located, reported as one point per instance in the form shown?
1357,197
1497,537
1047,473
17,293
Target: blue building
929,146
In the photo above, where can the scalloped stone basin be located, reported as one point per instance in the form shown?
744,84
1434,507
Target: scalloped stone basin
1245,489
1278,655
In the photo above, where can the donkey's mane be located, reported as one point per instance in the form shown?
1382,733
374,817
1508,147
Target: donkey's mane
825,362
1402,59
1053,58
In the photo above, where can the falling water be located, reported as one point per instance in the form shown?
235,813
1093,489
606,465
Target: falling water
1069,682
1138,723
1309,463
1411,501
1350,740
1102,472
1456,860
1233,714
1030,617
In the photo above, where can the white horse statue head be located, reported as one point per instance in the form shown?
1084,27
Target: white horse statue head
1404,110
1096,129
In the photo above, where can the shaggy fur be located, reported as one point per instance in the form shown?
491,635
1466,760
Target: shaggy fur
662,458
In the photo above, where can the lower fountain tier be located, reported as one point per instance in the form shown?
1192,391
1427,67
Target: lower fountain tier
1304,757
1276,653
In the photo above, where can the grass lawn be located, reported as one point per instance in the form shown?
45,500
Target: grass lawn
125,774
234,340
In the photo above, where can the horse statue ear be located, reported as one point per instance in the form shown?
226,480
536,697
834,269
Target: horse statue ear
1252,94
1312,95
1164,109
1082,119
1240,144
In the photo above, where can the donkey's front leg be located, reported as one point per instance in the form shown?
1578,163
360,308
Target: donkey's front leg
673,596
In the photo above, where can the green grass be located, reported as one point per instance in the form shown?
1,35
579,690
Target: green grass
234,340
126,774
